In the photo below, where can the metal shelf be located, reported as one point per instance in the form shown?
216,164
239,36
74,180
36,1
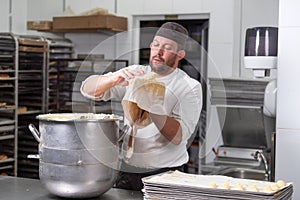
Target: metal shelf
8,160
7,137
6,167
8,112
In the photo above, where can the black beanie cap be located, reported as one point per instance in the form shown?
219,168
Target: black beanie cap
173,31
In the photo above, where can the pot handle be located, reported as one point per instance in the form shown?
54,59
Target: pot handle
36,134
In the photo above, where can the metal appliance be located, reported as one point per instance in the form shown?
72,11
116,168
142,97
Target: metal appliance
246,130
246,110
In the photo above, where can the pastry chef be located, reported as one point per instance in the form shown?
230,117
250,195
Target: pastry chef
161,103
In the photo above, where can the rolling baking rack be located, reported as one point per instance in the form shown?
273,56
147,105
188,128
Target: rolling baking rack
8,104
40,75
59,49
32,98
71,74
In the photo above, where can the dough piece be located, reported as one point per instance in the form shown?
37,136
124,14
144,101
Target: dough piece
4,76
274,187
253,188
148,87
267,189
239,187
3,157
226,186
213,185
281,183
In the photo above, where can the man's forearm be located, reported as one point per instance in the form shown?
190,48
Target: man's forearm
97,85
168,126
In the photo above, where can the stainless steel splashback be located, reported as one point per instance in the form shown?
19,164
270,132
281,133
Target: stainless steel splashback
243,127
237,91
239,104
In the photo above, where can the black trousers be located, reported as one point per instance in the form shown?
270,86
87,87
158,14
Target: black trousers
133,181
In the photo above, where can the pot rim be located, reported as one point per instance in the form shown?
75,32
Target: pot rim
78,117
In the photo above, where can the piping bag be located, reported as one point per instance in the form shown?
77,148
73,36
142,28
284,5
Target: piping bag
144,94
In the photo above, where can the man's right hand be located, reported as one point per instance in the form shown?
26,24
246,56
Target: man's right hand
124,75
94,86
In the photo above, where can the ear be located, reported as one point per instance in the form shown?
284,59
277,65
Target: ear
180,54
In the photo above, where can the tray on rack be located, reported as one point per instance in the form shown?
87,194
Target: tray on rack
33,77
6,48
32,42
6,37
32,55
6,121
6,56
6,85
6,128
32,49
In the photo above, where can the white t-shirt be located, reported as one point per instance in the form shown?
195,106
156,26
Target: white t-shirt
183,101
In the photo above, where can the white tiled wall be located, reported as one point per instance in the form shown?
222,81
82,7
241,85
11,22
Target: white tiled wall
289,13
288,106
79,6
191,6
288,95
19,19
130,7
288,78
44,10
220,60
158,6
4,16
287,162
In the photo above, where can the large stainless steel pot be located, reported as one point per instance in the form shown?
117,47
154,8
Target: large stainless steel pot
79,153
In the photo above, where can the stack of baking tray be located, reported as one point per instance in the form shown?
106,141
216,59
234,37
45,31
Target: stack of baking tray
72,74
32,64
178,185
8,103
33,52
7,52
60,50
7,68
27,145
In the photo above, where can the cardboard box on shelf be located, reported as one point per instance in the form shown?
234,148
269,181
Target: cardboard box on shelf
90,22
39,25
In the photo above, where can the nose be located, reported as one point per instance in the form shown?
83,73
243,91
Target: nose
160,51
157,50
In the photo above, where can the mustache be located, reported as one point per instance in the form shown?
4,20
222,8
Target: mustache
158,57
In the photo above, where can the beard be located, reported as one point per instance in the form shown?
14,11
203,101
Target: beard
164,67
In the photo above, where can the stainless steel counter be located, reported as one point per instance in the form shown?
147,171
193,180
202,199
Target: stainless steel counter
14,188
